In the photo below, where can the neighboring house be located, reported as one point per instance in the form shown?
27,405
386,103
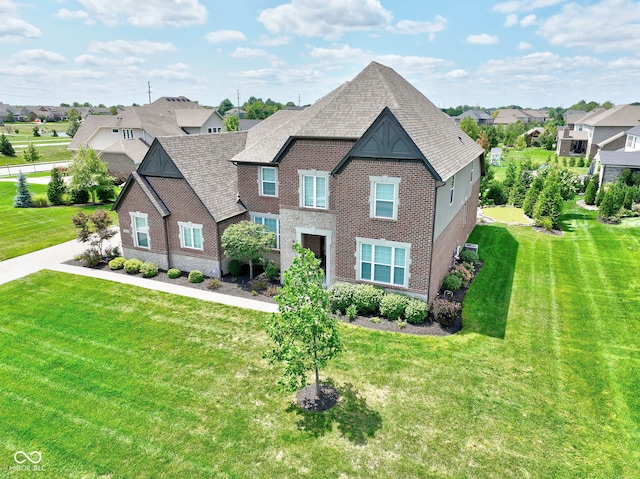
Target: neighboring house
481,117
534,133
604,124
385,195
240,113
509,116
109,135
570,117
571,142
611,163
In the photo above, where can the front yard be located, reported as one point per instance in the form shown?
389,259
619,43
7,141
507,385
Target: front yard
107,380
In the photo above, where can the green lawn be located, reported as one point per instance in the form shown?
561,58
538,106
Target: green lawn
538,156
48,154
107,380
507,214
29,229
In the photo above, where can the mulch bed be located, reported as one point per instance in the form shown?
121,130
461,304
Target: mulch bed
242,287
307,399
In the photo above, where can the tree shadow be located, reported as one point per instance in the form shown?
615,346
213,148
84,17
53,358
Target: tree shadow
354,419
486,305
566,220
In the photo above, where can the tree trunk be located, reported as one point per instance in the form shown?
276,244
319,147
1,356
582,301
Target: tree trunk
317,384
250,269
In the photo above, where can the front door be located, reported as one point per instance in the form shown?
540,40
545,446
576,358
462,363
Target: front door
317,244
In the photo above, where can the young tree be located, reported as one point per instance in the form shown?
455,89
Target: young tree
304,333
470,127
247,241
36,131
56,187
23,195
225,106
531,198
94,228
89,172
73,128
6,148
31,155
511,174
590,192
549,204
520,188
231,123
520,143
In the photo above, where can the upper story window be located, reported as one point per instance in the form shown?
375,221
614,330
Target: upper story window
632,142
191,235
268,181
314,189
140,229
127,133
115,130
384,197
453,189
272,223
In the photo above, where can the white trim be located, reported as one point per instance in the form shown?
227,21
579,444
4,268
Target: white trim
261,180
374,182
315,174
452,195
269,216
191,226
389,244
328,234
128,134
473,164
142,230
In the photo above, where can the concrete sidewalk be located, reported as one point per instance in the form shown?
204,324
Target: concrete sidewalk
53,257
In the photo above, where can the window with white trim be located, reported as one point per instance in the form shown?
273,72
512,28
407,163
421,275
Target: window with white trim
127,133
453,187
191,235
384,262
140,229
210,130
472,165
383,198
272,222
314,189
115,130
268,181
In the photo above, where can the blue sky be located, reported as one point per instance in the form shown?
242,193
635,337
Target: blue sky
529,52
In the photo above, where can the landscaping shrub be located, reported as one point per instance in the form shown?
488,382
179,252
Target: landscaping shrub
463,272
40,200
546,223
271,290
580,162
367,298
258,285
590,192
174,273
106,194
452,282
496,193
445,312
340,297
132,266
56,187
79,196
271,270
468,256
235,267
112,252
91,257
196,276
117,263
66,199
149,269
416,311
352,312
214,283
392,306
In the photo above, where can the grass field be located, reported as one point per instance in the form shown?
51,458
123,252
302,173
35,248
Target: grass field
29,229
538,156
507,214
48,154
107,380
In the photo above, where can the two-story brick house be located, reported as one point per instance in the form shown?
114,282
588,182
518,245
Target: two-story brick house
374,178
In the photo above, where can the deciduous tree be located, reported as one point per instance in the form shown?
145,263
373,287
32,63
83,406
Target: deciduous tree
89,172
94,228
31,155
231,123
470,127
247,241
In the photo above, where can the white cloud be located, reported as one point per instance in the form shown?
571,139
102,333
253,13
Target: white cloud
539,63
412,27
31,71
91,60
38,55
482,39
457,74
221,36
241,52
607,26
177,72
66,14
123,47
511,20
524,5
524,46
266,41
150,13
13,28
329,19
528,21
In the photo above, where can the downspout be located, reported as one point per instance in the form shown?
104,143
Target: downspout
166,240
439,184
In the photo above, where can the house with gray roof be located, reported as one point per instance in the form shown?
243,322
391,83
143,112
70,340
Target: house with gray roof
375,179
610,163
481,117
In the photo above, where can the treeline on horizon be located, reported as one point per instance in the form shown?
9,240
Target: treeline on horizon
581,105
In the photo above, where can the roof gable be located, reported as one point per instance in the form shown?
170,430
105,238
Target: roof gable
149,192
158,163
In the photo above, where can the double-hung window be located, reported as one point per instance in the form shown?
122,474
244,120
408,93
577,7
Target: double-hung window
140,229
268,181
271,222
190,235
384,197
314,189
384,262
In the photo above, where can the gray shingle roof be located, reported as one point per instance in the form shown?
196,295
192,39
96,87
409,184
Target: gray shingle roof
150,193
635,131
350,109
203,161
134,149
191,117
622,115
620,158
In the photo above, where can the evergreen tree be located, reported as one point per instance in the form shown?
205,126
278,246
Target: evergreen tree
510,175
531,198
549,204
6,148
23,195
590,192
56,187
520,187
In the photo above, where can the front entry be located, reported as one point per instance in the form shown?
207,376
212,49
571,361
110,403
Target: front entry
317,244
320,241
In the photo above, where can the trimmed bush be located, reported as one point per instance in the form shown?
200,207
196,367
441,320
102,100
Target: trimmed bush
214,283
174,273
106,194
271,270
590,192
452,282
132,266
468,256
235,267
340,297
445,312
91,257
40,201
117,263
416,311
149,269
392,306
79,196
367,298
196,276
